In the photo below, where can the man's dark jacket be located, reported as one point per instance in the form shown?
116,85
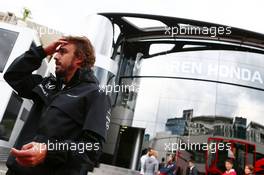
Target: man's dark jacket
77,114
194,171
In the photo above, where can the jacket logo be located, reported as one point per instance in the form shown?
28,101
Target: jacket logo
50,86
43,90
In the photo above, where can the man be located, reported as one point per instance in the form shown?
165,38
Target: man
143,159
162,163
229,167
151,165
192,170
67,125
171,166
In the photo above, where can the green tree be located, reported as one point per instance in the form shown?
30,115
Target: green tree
26,14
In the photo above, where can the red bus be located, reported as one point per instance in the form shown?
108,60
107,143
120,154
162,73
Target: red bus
240,151
259,166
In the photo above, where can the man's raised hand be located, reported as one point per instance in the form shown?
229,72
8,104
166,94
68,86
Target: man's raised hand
54,46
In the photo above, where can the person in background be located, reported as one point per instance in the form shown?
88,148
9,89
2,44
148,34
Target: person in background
151,165
143,159
170,168
192,170
162,163
249,169
229,167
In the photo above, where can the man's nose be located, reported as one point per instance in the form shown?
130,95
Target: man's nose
57,56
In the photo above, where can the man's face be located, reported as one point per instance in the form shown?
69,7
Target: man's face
190,164
65,60
169,158
228,165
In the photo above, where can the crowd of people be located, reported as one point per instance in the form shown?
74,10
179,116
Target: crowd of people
249,169
149,165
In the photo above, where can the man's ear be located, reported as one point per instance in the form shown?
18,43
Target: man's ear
78,61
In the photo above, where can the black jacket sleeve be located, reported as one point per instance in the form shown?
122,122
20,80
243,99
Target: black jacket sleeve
19,74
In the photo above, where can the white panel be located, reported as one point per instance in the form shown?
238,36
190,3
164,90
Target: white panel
100,31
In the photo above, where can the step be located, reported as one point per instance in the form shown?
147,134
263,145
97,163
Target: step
112,170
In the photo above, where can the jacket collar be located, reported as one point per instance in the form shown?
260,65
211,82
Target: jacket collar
81,75
86,75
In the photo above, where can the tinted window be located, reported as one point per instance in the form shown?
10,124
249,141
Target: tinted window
10,116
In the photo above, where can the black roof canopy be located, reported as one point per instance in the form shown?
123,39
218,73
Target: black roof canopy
237,39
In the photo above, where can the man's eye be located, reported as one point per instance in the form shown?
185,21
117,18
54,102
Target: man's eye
61,51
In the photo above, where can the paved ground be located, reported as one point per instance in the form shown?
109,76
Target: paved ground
102,170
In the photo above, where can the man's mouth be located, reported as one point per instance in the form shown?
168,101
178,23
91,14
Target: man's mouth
57,63
57,66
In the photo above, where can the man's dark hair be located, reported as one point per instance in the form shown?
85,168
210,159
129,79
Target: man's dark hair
230,161
146,150
191,160
250,167
84,49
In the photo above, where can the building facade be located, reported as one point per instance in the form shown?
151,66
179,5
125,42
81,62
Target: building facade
255,132
163,74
